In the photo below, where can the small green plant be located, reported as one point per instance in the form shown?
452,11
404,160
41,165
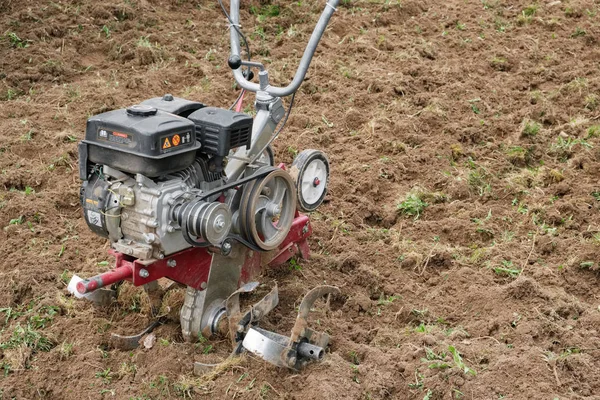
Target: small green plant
578,32
413,206
17,221
435,361
529,11
478,180
16,42
527,15
586,265
66,350
591,101
507,269
387,300
418,381
295,265
355,373
105,375
144,42
458,361
517,155
10,94
593,131
564,147
29,337
106,30
530,128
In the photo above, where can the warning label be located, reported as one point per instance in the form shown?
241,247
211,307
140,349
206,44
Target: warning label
172,142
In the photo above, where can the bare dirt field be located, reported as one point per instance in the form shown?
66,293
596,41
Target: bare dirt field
462,223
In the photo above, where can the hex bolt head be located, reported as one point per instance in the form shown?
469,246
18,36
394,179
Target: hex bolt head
172,263
226,246
144,273
292,361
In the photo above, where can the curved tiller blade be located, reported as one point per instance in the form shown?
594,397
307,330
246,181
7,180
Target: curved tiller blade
302,346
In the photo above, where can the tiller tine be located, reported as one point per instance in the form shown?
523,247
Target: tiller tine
238,322
123,342
156,293
304,344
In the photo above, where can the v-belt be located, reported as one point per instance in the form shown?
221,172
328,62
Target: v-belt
261,173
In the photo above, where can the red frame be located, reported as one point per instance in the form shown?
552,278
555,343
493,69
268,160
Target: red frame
192,266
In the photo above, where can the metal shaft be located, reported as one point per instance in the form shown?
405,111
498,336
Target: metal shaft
311,351
105,279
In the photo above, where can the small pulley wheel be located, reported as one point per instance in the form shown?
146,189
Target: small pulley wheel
267,209
311,171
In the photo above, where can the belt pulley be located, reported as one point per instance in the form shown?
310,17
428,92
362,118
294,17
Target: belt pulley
267,208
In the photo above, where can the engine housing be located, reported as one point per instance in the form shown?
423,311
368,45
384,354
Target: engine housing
144,172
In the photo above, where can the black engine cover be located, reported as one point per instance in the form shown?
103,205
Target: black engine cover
221,130
140,139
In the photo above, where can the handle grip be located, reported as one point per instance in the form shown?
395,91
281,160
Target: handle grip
309,51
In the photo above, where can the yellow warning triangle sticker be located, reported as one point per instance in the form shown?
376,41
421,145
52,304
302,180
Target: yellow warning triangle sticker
167,144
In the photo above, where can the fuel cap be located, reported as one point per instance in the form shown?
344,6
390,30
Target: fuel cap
141,110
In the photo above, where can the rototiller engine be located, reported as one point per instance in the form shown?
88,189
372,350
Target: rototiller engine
192,193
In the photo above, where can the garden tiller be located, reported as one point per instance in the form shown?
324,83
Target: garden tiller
190,192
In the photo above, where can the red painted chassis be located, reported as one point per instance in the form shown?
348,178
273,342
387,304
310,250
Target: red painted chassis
191,267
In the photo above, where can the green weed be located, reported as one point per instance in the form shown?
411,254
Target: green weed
507,269
578,32
530,128
565,147
412,206
29,337
105,375
458,361
16,42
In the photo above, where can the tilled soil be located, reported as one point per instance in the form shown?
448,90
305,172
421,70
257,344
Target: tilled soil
462,222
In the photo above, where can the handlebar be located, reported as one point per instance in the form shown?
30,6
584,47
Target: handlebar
275,91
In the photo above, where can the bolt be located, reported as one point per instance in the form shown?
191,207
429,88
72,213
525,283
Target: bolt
305,229
292,361
226,247
240,328
144,273
203,285
170,229
219,223
161,255
149,237
172,263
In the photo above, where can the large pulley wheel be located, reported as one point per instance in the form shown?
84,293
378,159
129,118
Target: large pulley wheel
311,171
267,209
